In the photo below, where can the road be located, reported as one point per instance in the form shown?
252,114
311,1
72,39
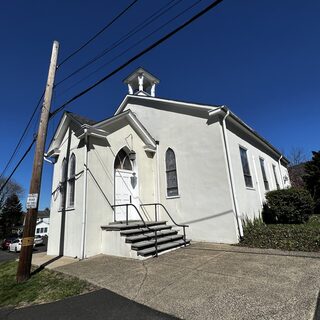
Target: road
7,256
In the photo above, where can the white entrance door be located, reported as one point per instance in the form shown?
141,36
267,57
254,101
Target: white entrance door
126,192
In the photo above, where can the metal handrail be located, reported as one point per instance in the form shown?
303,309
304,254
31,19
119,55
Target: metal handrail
127,213
156,204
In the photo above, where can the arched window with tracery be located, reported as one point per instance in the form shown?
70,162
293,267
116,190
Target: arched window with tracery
71,180
122,161
171,173
63,183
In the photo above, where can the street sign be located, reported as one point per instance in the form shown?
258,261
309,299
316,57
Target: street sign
32,201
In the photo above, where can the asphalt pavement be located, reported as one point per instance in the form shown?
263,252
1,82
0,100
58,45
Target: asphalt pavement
101,304
5,255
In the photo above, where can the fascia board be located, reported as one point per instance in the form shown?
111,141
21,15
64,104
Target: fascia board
62,124
133,121
136,123
257,136
172,102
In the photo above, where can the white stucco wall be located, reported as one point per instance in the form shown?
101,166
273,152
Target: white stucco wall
204,200
101,165
250,200
72,233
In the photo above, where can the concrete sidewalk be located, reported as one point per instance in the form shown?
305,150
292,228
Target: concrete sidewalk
207,281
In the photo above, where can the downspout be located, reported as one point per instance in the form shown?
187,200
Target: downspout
84,205
234,199
158,171
280,172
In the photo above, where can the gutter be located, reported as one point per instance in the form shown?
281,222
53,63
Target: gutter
231,179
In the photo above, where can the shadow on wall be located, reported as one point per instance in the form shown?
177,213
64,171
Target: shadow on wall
97,184
213,216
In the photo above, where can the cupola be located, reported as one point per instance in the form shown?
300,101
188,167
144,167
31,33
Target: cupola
142,83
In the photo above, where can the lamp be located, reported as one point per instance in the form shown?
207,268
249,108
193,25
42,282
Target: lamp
132,155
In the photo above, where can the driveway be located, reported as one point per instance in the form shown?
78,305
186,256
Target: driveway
207,281
98,305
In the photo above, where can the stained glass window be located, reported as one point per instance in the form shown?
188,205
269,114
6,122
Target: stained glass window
72,180
122,161
63,183
264,176
171,172
245,168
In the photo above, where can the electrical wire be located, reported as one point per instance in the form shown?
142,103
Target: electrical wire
143,52
128,49
160,12
140,54
22,136
18,164
131,47
99,32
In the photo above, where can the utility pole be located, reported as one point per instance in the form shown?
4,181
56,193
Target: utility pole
23,272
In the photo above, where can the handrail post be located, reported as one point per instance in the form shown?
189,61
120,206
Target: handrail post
156,241
156,212
126,214
184,236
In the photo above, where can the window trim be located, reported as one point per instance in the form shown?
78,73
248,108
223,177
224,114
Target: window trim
63,184
250,187
71,180
264,174
274,168
171,170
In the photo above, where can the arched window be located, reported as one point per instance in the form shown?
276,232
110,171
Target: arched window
171,172
72,180
122,161
63,183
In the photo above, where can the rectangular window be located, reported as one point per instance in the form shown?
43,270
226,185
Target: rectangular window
264,176
275,176
38,230
45,229
245,168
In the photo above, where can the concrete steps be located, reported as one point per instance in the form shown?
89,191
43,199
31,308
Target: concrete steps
141,239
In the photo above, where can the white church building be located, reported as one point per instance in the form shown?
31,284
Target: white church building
155,175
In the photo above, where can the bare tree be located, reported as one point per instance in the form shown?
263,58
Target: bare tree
11,188
296,156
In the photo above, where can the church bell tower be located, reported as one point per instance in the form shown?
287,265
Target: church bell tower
142,83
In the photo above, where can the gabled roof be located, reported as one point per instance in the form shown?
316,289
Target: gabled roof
175,104
64,124
130,118
81,119
92,127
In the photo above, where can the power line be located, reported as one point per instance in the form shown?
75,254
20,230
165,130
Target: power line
155,44
131,33
143,52
99,32
22,136
18,164
131,47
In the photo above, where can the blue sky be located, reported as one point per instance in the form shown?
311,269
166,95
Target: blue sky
260,58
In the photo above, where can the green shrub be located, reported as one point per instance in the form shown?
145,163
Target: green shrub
287,206
300,237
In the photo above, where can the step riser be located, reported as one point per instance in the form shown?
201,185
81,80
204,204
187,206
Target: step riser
153,252
152,244
151,237
143,230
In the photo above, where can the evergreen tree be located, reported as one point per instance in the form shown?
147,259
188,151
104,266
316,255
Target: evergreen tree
11,214
312,178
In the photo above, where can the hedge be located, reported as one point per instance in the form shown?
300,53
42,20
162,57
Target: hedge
288,206
302,237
